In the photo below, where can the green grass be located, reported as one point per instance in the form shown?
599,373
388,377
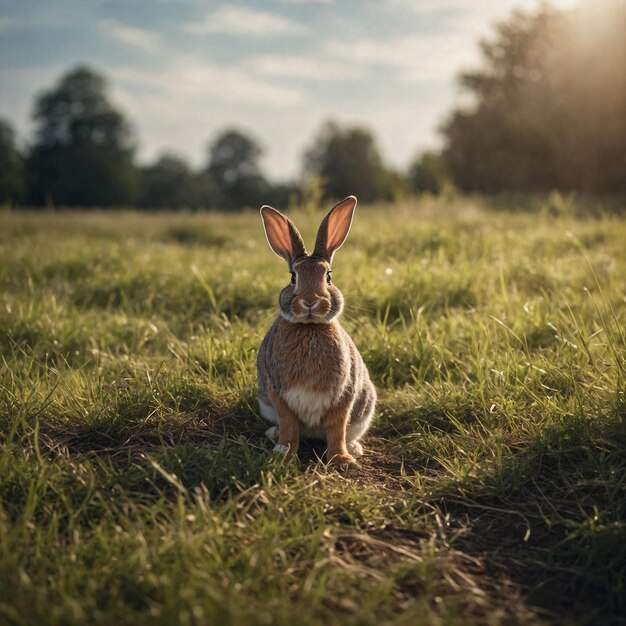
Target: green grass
136,486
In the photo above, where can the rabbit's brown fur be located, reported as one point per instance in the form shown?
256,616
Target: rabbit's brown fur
312,379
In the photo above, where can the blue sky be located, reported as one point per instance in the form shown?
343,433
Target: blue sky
181,70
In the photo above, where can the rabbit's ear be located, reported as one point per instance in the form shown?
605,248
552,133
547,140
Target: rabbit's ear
282,235
335,228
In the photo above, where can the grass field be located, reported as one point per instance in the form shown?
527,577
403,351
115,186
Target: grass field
136,486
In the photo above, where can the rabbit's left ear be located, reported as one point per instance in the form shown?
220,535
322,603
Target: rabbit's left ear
334,228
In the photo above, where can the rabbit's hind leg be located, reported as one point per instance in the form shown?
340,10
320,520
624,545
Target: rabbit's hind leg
269,413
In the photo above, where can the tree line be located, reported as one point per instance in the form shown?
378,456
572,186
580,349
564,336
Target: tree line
83,156
546,111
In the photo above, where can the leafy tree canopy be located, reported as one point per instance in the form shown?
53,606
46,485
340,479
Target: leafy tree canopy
549,105
348,161
234,164
84,147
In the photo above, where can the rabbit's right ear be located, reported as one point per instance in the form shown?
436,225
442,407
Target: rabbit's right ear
334,228
282,235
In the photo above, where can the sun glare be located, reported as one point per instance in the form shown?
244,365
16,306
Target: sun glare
565,4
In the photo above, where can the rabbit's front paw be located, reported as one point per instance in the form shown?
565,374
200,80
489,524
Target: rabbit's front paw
279,449
342,460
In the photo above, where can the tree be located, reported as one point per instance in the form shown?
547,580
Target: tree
504,141
429,173
83,150
11,179
171,184
549,105
234,165
348,161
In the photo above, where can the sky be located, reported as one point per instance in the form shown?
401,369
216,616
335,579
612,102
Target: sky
183,70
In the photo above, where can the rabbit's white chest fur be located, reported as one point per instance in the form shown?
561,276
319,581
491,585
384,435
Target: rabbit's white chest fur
309,404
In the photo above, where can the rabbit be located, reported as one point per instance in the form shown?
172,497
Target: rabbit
312,379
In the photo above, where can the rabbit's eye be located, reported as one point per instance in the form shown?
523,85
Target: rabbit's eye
328,277
293,278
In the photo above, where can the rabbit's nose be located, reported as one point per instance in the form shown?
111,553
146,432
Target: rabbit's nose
311,305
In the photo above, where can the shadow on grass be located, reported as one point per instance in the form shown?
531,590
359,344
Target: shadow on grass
153,454
552,519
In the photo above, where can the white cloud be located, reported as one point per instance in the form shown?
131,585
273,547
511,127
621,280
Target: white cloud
480,7
429,6
188,78
243,21
139,38
437,55
303,67
401,52
417,58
